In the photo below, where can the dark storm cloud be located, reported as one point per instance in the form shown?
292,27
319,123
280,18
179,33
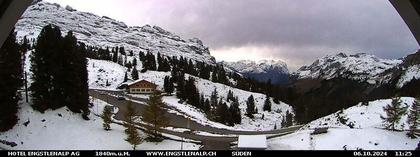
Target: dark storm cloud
297,31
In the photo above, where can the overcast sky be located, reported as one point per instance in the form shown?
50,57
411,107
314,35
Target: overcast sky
295,31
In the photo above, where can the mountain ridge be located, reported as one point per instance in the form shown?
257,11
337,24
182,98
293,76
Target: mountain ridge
107,32
262,70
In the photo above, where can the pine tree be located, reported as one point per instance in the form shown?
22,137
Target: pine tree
213,97
154,114
235,111
125,77
192,94
60,76
214,75
133,136
283,122
250,107
289,119
115,55
180,86
106,117
42,87
413,119
134,62
73,76
223,114
134,74
168,85
10,81
206,106
230,96
393,111
267,104
211,114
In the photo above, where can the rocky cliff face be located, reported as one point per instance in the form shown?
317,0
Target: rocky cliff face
106,32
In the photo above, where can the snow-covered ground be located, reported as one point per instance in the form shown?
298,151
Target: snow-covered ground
368,132
100,71
63,130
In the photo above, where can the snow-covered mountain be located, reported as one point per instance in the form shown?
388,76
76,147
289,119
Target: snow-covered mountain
262,70
405,72
106,32
360,67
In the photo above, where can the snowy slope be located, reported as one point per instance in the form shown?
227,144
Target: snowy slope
100,72
206,87
262,70
368,132
71,132
360,67
412,72
114,73
105,32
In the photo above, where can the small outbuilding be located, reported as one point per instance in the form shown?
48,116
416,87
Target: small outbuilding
252,142
141,87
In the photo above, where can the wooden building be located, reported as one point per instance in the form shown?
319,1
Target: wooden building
141,87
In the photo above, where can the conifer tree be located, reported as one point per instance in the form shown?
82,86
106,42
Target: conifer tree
42,87
283,122
230,96
106,117
134,62
413,119
10,81
192,94
125,77
133,136
223,114
59,70
250,107
267,104
235,111
289,119
154,114
206,106
393,111
135,74
168,85
180,86
115,55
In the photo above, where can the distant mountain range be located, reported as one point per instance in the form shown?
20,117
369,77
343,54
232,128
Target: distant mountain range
361,67
262,71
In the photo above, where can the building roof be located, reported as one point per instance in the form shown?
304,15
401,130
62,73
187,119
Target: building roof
252,141
142,81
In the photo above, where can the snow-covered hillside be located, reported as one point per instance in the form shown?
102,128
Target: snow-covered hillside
100,71
262,70
360,67
410,73
106,32
63,130
363,130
